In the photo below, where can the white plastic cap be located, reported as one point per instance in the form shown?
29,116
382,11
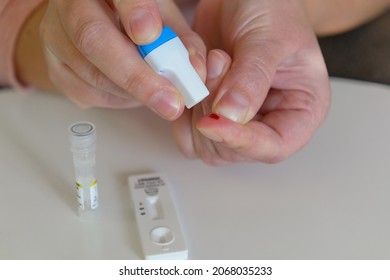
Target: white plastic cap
82,136
168,57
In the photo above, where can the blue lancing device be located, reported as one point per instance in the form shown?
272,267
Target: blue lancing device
168,57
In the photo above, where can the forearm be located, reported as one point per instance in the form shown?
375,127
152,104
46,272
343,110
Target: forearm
29,58
337,16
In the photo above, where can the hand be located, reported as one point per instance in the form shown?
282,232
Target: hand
271,98
94,63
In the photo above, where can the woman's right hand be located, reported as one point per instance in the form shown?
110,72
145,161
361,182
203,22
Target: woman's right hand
92,58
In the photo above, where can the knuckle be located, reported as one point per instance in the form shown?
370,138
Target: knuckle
98,79
131,6
134,85
88,34
100,99
192,39
210,158
85,100
210,161
273,155
215,162
54,75
188,152
260,67
144,4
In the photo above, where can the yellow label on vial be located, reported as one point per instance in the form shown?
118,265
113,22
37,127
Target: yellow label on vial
80,195
89,199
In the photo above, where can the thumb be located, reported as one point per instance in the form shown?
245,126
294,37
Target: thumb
140,18
248,81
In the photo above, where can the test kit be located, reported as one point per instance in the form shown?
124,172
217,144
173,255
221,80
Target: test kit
158,225
169,57
83,146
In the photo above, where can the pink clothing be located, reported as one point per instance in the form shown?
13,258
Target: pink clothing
13,14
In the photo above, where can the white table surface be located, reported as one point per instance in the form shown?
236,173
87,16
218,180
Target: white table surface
329,201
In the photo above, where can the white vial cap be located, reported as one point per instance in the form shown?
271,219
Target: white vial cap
82,136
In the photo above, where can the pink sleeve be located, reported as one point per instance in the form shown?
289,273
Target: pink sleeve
13,14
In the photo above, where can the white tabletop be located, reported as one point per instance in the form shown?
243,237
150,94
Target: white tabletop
329,201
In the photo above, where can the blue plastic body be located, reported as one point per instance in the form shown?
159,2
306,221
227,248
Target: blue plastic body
166,35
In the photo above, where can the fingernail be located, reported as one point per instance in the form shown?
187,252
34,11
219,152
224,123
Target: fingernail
233,106
144,27
215,65
167,104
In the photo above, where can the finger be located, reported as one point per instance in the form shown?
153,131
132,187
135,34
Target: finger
218,64
167,12
206,149
79,91
248,81
140,18
274,138
92,27
173,17
241,138
59,45
183,134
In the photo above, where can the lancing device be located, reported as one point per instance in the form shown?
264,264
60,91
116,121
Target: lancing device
168,57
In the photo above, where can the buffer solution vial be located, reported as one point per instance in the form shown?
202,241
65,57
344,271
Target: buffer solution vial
83,146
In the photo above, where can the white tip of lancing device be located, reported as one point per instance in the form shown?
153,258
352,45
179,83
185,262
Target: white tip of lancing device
168,57
158,224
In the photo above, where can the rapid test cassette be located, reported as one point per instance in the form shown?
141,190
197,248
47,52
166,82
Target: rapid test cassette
158,225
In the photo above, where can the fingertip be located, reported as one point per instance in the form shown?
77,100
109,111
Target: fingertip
210,127
196,50
183,136
167,103
245,85
144,26
141,19
224,131
230,103
234,105
218,62
198,61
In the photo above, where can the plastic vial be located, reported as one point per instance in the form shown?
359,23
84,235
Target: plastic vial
83,147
